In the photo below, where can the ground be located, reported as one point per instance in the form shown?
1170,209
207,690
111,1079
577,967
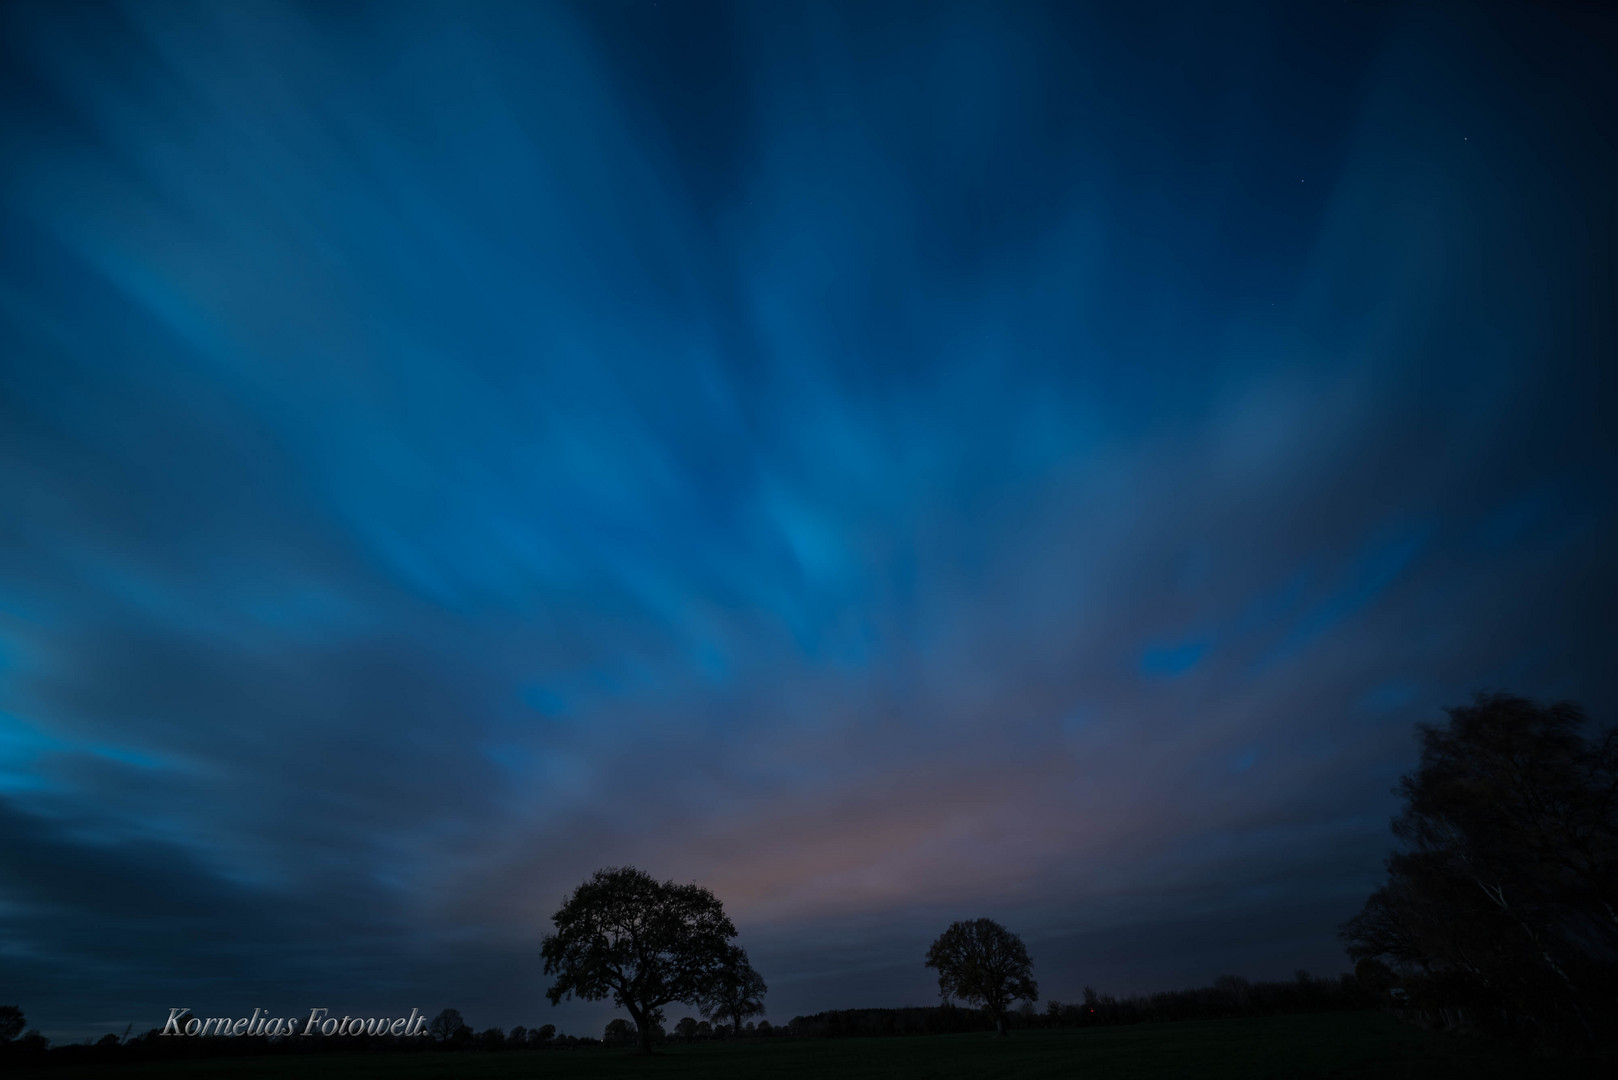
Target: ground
1341,1045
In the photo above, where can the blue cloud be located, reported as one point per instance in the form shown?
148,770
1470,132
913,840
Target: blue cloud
1389,696
1377,566
1169,661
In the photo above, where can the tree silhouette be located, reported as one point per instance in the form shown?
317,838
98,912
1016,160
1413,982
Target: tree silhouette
12,1022
644,942
448,1027
983,963
736,992
1503,898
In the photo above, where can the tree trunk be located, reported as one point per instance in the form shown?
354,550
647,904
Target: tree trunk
1000,1024
643,1031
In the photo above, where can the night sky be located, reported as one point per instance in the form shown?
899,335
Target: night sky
889,464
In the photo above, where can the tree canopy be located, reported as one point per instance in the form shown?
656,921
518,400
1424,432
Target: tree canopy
1501,904
643,942
737,991
983,963
12,1022
448,1026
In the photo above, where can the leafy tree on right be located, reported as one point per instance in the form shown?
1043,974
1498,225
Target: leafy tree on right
1501,904
983,963
12,1022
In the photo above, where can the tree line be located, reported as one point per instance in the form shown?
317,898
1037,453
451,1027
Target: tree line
1230,996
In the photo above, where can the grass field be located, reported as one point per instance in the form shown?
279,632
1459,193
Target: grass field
1344,1045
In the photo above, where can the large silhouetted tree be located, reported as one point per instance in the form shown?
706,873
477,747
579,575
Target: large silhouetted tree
737,991
983,963
643,942
1502,898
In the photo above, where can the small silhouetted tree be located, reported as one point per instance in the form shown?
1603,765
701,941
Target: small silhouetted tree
686,1029
620,1032
448,1027
12,1022
983,963
542,1035
643,942
736,991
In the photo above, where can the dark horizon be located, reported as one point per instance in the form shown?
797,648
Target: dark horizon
887,463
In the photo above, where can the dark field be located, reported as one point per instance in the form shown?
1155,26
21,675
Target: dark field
1362,1044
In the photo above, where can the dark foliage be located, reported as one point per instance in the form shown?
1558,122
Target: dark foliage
1229,997
853,1023
643,942
983,963
735,993
1501,905
448,1028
